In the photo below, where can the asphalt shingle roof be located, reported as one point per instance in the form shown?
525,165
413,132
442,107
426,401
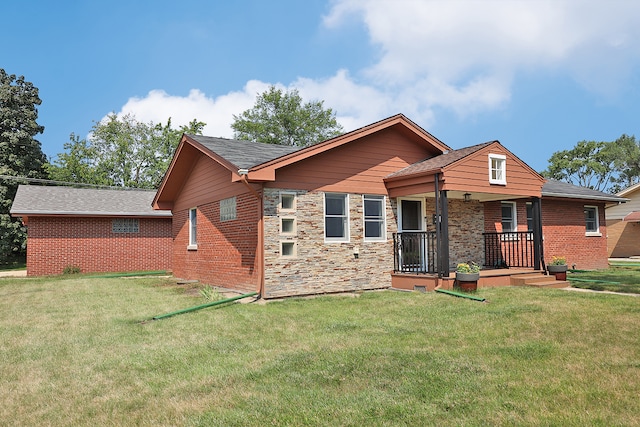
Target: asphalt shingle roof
553,188
439,161
45,200
244,154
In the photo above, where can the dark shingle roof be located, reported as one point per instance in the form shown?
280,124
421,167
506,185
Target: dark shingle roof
553,188
244,154
39,200
440,161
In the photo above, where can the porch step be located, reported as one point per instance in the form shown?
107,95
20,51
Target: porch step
549,284
537,280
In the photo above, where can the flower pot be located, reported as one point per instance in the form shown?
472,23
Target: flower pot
560,271
467,281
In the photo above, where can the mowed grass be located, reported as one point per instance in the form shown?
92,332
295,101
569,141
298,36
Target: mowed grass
617,278
79,352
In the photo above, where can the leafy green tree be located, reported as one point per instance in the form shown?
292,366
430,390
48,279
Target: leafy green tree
20,154
121,151
627,152
591,164
282,118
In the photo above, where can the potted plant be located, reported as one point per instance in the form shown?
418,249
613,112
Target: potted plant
467,275
558,267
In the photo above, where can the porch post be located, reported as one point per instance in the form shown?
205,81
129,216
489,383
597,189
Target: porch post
538,255
443,224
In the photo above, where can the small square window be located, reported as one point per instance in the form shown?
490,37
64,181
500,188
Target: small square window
288,249
497,169
228,209
287,201
125,225
287,225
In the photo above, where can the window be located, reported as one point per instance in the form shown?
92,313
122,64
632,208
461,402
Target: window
193,226
125,225
592,225
374,218
287,226
336,217
529,217
287,202
228,209
287,249
497,169
509,220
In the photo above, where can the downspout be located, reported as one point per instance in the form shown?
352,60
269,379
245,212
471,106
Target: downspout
260,248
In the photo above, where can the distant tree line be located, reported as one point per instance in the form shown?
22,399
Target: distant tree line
121,151
609,166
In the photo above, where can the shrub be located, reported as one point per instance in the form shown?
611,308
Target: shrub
71,269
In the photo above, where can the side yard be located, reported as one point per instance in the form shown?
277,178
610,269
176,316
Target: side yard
619,277
81,351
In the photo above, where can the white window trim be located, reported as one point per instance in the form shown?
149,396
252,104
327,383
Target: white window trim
295,201
382,199
502,181
294,246
345,239
193,242
596,233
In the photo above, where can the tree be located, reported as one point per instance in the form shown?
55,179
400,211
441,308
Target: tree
20,154
282,118
627,152
121,151
591,164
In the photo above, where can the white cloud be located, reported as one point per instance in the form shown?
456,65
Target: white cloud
467,52
217,113
459,55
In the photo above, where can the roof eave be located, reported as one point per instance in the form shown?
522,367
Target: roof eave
584,197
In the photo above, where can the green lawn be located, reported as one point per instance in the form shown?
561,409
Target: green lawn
617,278
78,351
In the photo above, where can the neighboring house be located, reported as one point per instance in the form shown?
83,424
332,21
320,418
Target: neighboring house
623,225
95,230
385,205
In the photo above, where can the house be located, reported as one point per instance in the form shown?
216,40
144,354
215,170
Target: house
623,225
385,205
96,230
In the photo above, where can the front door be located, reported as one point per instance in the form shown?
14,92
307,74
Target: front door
412,251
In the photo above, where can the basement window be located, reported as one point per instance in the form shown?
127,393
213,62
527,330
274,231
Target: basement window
125,225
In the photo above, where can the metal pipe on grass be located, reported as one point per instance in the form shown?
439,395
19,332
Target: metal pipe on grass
200,307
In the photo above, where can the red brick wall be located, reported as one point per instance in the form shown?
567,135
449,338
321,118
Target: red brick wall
564,234
226,253
54,243
563,228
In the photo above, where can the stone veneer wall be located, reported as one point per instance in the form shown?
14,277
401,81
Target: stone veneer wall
320,267
466,225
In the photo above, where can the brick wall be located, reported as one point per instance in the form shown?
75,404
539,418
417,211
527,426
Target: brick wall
320,267
226,252
54,243
564,234
563,229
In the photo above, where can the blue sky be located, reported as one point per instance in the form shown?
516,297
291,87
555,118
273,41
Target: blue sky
537,75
